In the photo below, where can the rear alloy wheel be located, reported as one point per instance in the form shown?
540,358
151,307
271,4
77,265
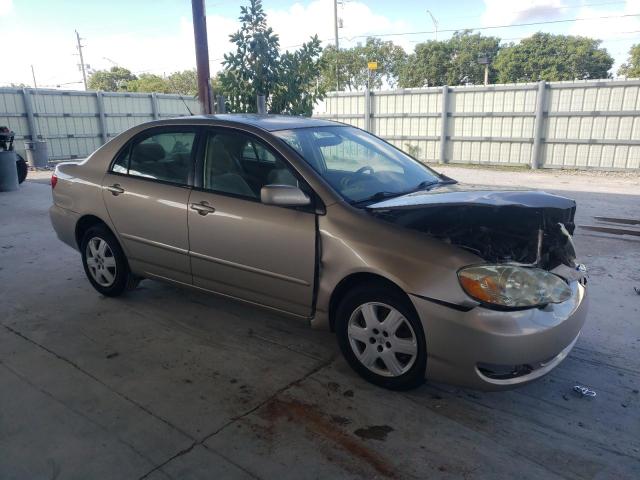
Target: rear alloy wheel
381,338
105,263
101,262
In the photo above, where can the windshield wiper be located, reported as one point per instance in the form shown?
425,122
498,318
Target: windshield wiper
378,196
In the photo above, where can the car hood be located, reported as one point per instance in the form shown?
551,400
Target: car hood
477,195
509,224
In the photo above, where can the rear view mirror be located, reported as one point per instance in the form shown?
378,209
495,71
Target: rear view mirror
284,195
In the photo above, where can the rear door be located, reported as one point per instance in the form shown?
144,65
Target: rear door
240,247
146,193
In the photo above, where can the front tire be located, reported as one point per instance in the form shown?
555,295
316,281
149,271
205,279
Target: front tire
105,263
381,337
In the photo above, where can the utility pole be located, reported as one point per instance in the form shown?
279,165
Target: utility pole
202,55
33,74
84,72
335,27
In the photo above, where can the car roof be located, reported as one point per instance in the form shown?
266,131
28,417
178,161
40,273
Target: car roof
270,123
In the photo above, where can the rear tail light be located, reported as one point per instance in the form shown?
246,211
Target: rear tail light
54,181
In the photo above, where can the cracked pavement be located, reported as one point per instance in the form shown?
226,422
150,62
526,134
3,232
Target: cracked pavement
169,383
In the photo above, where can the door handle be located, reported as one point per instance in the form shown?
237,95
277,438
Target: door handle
202,208
115,189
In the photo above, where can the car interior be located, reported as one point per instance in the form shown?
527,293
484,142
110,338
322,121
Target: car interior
238,164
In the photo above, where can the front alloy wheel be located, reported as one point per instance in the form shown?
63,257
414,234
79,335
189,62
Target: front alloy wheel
382,339
381,336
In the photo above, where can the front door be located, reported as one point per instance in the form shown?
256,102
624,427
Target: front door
146,193
240,247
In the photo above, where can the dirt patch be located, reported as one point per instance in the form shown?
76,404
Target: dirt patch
316,422
374,432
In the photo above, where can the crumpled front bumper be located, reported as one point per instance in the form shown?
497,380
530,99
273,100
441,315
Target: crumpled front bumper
464,347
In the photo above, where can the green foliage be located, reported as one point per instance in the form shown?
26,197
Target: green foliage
184,83
413,150
449,62
116,79
253,68
352,72
288,81
632,67
148,82
298,89
427,66
545,56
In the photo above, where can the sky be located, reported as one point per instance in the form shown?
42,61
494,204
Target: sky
156,36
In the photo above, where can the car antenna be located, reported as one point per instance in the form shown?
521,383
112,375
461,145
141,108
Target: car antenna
187,106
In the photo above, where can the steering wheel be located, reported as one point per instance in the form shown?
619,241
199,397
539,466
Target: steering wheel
366,168
347,182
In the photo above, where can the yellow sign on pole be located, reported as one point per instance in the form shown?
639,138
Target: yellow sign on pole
372,65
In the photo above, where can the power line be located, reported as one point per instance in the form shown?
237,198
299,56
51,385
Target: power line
489,27
563,7
493,27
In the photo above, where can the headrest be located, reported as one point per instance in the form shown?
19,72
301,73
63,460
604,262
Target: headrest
148,152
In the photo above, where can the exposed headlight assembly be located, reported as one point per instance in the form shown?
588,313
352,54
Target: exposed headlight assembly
513,287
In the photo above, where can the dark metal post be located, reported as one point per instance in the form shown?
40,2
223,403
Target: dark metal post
261,105
202,55
154,106
31,121
222,106
538,126
444,120
367,110
102,120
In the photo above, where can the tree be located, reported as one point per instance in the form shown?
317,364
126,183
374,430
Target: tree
545,56
298,87
632,67
115,79
450,62
149,82
465,48
353,73
184,83
427,66
288,81
253,69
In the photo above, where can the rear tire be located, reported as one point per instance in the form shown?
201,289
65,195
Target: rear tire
21,165
105,263
381,337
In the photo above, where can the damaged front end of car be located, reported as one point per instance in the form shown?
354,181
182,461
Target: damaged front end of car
524,228
523,238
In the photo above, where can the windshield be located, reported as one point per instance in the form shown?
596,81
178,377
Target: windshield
360,166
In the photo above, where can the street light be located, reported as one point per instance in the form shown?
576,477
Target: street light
435,23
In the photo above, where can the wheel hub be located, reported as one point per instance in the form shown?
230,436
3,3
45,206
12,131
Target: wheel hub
382,339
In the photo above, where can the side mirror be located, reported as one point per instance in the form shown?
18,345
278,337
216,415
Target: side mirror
284,195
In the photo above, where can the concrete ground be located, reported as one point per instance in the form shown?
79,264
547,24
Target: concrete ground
169,383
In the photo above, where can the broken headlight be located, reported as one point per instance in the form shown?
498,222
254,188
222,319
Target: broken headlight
513,287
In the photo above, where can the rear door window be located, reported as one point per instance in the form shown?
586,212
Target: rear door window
165,156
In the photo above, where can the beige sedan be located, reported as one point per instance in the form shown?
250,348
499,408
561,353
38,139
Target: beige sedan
418,276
